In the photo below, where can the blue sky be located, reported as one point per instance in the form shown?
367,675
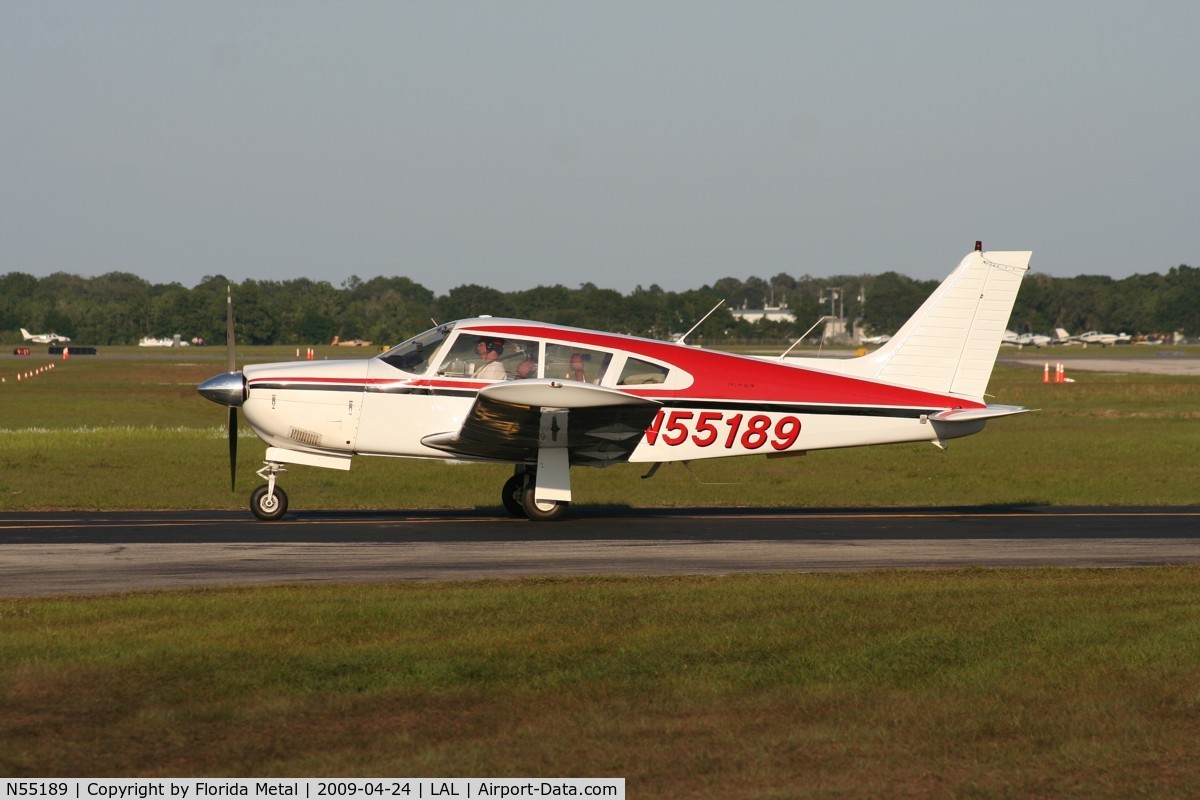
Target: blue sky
514,144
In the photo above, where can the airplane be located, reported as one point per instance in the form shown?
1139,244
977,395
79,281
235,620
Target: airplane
1038,340
1091,337
150,341
546,398
1025,339
44,338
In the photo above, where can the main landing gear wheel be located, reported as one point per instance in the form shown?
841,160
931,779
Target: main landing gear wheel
510,495
545,511
267,505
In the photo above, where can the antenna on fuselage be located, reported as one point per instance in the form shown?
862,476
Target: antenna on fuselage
806,333
701,322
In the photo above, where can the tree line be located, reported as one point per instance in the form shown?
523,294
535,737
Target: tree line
121,308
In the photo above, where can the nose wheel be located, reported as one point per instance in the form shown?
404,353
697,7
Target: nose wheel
269,502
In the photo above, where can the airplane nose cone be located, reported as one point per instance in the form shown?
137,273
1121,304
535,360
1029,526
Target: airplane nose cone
228,389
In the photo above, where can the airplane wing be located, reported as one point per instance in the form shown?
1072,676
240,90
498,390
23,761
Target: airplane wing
510,421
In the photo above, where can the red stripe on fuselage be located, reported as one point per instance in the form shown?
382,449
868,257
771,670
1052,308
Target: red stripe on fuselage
310,379
733,377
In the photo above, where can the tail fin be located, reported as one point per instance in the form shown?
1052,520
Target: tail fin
26,334
949,346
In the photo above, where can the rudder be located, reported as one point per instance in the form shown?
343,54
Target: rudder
950,345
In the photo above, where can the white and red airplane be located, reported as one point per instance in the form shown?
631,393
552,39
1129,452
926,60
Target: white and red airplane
546,398
44,338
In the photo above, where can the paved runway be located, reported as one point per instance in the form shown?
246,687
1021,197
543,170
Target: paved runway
104,552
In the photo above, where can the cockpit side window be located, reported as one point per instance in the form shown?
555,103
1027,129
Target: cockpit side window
415,355
483,356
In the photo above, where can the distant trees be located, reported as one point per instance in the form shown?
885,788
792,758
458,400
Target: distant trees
121,308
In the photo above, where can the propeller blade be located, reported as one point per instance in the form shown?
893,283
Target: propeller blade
231,364
233,426
229,359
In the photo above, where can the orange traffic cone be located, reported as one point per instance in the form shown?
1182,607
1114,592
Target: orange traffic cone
1046,373
66,353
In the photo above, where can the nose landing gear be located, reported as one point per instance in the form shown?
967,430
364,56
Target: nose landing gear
269,502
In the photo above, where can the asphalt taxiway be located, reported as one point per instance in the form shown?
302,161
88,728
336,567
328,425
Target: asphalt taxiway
64,552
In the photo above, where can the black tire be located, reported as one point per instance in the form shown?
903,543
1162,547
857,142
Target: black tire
542,512
268,507
510,495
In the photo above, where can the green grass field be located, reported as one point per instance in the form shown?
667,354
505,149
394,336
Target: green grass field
1018,683
980,683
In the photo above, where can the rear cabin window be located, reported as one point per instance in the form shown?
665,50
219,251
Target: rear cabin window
576,363
638,372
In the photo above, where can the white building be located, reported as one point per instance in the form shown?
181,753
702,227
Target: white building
769,313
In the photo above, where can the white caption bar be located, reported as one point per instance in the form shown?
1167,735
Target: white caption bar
309,788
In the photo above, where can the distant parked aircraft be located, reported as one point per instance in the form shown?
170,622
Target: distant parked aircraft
1025,339
1091,337
44,338
1033,340
150,341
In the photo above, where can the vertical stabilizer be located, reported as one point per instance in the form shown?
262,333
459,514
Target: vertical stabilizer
950,345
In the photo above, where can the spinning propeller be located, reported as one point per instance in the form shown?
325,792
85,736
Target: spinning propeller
231,367
228,389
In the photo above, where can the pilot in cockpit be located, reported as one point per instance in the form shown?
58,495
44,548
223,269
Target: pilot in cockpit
489,350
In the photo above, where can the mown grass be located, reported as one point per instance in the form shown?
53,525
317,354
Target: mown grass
1043,683
134,434
1005,683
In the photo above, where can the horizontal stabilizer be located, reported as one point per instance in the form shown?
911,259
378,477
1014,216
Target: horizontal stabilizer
976,414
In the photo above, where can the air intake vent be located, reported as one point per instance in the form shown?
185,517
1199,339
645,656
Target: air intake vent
305,437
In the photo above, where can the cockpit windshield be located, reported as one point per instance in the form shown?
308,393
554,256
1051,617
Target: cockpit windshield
415,355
